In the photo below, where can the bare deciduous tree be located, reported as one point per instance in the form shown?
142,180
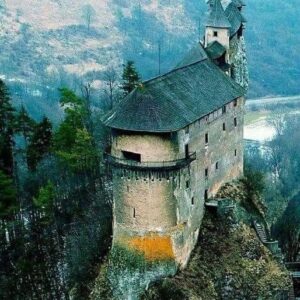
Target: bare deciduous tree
88,15
111,85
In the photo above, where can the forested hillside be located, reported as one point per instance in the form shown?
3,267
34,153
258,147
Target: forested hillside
51,44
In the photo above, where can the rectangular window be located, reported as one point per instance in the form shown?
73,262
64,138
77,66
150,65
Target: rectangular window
187,184
186,149
224,109
235,122
133,213
235,152
206,195
215,33
206,138
217,165
224,127
206,173
132,156
193,200
235,103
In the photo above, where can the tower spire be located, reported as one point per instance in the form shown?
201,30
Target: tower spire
217,17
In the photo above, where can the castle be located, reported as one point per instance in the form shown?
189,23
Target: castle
176,139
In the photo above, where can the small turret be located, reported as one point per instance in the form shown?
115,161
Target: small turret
217,27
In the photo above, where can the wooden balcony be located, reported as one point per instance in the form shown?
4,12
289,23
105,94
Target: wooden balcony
149,166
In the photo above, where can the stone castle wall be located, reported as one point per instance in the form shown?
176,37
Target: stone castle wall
166,207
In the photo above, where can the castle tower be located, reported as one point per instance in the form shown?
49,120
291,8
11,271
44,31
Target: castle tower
217,28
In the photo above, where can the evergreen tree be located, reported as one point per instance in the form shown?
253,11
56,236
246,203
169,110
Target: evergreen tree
8,203
73,142
39,143
6,130
131,78
24,124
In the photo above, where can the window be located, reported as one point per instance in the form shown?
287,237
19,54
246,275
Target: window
132,156
206,138
193,200
133,213
187,129
206,173
235,152
224,109
224,127
205,194
235,103
235,122
186,149
217,165
215,33
187,184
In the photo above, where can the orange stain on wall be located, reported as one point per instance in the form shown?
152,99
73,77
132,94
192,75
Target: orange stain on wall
153,247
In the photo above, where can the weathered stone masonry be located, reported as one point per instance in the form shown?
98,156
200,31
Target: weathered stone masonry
175,140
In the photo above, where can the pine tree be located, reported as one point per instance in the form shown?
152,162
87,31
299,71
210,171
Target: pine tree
8,203
131,78
24,124
6,130
39,143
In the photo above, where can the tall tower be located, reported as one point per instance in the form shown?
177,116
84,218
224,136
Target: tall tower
217,27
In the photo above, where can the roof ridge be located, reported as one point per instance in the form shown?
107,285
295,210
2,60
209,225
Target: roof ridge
173,70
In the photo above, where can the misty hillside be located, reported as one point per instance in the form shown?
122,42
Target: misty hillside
51,43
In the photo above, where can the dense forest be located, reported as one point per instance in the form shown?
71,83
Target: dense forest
55,197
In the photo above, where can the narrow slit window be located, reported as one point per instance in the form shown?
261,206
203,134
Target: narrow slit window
187,150
235,122
206,173
193,200
205,194
235,152
224,127
133,213
217,165
224,109
187,184
206,138
235,103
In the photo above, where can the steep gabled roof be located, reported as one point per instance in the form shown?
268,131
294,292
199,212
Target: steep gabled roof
216,17
172,101
197,53
235,18
215,50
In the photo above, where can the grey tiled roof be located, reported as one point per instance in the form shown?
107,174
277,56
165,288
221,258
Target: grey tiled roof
216,17
239,3
235,18
174,100
215,50
196,54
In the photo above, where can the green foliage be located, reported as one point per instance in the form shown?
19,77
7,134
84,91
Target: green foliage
45,197
24,124
287,230
6,130
131,78
8,201
39,143
73,143
82,155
